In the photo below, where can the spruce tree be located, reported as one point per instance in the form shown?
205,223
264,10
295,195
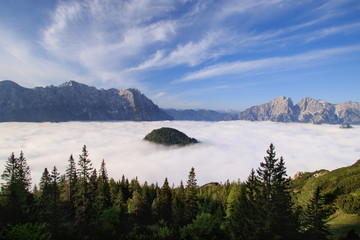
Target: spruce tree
15,192
55,201
315,215
45,197
279,222
72,181
103,188
191,204
83,203
178,206
146,202
165,202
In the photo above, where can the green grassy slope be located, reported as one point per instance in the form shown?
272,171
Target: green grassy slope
341,191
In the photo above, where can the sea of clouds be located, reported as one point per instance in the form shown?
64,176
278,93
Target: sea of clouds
228,150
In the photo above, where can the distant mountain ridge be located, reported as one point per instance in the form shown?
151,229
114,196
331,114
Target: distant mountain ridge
195,115
73,101
308,110
281,109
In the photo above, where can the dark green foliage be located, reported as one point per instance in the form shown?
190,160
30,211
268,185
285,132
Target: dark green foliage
351,236
314,220
245,216
85,204
169,136
191,204
205,226
27,231
16,201
178,206
71,189
278,220
103,196
349,204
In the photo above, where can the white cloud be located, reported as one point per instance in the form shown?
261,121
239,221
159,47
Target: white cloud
20,61
106,37
228,150
160,94
287,62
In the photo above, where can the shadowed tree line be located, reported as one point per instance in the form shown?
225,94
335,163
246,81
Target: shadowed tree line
84,203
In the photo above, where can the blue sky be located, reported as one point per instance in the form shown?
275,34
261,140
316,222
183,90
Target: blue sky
187,54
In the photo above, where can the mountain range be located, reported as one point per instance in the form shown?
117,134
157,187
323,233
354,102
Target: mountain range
73,101
308,110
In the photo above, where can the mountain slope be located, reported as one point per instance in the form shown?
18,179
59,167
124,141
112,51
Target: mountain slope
307,110
196,115
73,101
340,189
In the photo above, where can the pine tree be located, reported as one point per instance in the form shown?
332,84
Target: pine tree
103,188
315,215
24,174
45,197
146,202
278,219
178,206
191,204
94,208
155,206
72,181
165,202
83,203
241,219
55,201
15,192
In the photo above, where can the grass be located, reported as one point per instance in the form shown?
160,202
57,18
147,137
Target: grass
341,223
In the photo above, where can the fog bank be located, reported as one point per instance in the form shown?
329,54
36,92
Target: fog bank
228,150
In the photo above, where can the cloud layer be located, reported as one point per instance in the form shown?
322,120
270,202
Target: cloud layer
228,150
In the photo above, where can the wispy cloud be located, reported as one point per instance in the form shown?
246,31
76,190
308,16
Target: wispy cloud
285,63
20,61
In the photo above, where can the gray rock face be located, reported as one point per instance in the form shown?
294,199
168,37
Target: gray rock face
73,101
345,125
278,110
307,110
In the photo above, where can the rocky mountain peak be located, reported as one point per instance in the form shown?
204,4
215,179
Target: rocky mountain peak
9,83
73,101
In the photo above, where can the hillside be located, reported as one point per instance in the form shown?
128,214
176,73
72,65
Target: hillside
341,191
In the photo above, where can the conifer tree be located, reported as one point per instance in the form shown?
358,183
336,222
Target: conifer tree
72,181
241,220
191,203
94,209
146,202
155,207
315,215
278,219
178,206
15,191
55,201
45,182
83,203
165,202
103,188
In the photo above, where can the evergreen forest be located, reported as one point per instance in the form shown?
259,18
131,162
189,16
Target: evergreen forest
83,203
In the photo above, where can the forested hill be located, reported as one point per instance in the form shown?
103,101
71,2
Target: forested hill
83,203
